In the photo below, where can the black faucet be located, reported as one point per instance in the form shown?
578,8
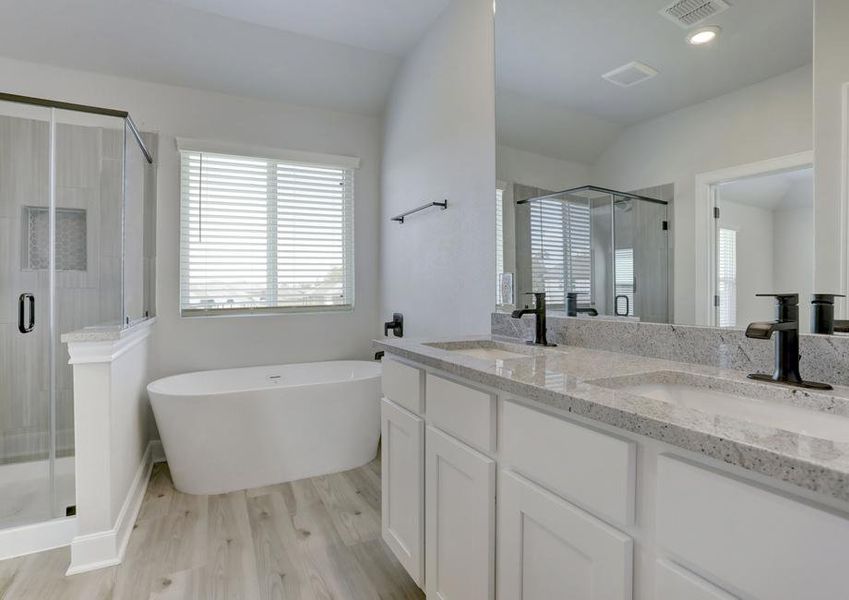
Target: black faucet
396,325
786,325
540,338
822,315
572,308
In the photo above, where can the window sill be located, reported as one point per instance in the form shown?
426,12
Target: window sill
269,312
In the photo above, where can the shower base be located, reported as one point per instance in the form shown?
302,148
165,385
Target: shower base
25,491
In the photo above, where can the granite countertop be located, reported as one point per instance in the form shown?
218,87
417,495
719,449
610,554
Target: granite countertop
581,381
106,333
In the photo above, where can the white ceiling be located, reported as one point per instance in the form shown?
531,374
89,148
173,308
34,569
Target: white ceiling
556,51
333,54
385,26
776,191
559,132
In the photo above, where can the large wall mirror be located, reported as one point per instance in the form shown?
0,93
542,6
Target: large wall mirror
655,158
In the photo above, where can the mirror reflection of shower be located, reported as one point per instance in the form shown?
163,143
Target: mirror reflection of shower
609,247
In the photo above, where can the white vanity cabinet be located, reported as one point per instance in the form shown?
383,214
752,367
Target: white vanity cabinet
677,583
549,548
750,539
486,495
460,520
402,486
402,466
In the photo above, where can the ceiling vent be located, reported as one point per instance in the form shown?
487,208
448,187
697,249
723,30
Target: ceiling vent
689,13
630,74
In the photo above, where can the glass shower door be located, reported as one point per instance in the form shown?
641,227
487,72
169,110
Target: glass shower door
27,447
624,242
640,259
651,261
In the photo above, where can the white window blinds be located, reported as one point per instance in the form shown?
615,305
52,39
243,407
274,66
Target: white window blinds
263,234
499,242
624,278
727,272
561,246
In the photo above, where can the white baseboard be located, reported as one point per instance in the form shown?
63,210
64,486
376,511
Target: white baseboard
27,539
106,548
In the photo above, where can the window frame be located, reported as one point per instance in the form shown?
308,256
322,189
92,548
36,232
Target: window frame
276,156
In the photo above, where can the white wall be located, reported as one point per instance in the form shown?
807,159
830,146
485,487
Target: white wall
793,251
535,170
112,429
771,118
207,343
439,142
831,75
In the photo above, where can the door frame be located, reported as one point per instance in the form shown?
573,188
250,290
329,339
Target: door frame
705,233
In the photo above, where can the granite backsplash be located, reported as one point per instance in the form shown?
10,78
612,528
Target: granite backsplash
823,358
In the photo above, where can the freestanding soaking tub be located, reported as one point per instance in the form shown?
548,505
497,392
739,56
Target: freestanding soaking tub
241,428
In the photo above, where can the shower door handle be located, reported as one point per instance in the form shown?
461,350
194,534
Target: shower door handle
627,305
26,325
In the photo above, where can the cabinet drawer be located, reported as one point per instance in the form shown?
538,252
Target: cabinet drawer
751,541
404,385
593,469
465,412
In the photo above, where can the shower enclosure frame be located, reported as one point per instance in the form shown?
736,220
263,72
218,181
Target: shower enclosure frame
616,196
52,338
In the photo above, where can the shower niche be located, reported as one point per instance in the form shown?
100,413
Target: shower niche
70,239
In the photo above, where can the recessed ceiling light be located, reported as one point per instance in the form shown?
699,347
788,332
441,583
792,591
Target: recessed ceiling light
703,36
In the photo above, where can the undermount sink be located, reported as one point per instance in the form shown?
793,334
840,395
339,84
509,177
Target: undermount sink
485,349
762,404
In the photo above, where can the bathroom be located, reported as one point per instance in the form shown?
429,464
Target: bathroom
266,331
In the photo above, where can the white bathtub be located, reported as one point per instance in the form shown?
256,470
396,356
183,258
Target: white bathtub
241,428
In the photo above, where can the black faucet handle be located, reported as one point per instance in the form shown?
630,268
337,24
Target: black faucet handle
782,298
827,298
396,325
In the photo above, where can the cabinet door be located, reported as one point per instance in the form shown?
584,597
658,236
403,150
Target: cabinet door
402,485
548,548
676,583
460,484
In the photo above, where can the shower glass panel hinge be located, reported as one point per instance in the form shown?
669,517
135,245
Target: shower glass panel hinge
665,225
715,212
716,300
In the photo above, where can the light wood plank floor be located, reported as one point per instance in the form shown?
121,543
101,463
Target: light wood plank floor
316,538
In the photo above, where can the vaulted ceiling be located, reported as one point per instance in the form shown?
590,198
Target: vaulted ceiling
332,54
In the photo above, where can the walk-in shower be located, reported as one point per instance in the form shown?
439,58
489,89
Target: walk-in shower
609,247
77,215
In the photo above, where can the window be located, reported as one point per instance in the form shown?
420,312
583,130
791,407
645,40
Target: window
727,271
264,235
624,276
561,249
